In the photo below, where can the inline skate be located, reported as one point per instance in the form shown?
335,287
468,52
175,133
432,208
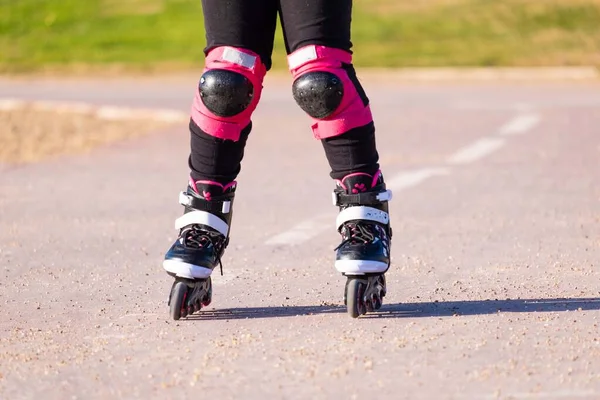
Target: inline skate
363,256
203,237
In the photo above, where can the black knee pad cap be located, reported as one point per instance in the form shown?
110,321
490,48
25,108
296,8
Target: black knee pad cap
318,93
225,93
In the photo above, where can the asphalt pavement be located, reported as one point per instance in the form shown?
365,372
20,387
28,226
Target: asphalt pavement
493,293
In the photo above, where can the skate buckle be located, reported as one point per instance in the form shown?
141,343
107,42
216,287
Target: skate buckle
185,199
385,196
226,207
335,198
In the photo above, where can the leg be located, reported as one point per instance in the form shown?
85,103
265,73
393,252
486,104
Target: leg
238,55
327,89
222,109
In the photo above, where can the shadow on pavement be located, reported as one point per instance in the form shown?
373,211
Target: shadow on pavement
481,307
265,312
411,310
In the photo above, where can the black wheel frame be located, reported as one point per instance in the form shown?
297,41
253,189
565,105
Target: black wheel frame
364,294
208,297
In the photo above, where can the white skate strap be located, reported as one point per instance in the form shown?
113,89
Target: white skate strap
361,198
188,201
204,218
362,213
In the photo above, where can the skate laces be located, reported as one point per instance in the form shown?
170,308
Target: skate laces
358,232
196,237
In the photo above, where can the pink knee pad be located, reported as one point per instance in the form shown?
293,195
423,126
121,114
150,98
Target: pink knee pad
227,64
350,110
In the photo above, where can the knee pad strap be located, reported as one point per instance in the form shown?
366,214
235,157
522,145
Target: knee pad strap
334,107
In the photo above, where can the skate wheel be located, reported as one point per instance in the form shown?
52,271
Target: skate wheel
354,297
178,298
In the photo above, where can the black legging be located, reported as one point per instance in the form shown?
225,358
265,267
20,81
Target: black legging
251,24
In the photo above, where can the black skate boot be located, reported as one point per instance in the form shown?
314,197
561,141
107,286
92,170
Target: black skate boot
363,256
203,237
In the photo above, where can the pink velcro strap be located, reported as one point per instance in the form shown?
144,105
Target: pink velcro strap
351,112
356,115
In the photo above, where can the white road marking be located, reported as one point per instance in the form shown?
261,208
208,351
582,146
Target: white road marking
62,106
304,231
476,151
163,115
405,180
520,124
102,112
11,104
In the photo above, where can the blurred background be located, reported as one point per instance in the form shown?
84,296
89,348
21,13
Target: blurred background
162,35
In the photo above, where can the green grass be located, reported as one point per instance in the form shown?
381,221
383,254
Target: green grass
479,33
168,34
